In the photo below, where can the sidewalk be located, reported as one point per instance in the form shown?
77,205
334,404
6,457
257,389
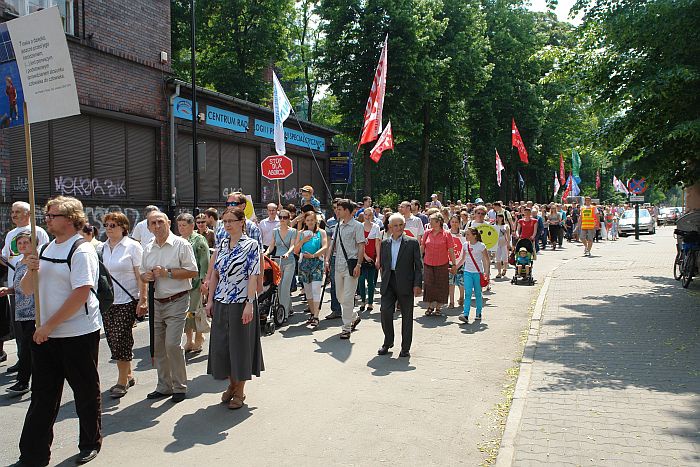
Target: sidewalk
615,374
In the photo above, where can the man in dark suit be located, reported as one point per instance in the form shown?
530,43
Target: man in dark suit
402,279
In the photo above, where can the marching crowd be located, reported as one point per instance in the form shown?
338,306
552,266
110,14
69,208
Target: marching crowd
207,279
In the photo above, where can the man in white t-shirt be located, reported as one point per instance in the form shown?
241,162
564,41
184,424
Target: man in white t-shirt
67,338
11,254
414,226
267,225
141,233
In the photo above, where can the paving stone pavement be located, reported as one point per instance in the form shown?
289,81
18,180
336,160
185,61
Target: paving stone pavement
616,373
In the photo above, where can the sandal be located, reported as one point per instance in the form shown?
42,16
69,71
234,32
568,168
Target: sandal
437,312
428,312
451,305
461,302
118,390
370,307
313,322
498,276
228,394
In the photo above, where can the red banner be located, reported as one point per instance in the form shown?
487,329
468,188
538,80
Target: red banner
372,123
518,143
386,141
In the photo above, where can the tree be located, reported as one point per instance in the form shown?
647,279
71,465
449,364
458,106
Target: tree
638,61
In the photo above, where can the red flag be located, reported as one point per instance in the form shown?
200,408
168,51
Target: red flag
562,175
518,143
372,124
385,141
567,192
597,179
499,168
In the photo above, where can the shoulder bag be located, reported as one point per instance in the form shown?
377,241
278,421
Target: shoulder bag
484,281
351,262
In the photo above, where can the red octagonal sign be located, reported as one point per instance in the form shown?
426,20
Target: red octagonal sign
276,167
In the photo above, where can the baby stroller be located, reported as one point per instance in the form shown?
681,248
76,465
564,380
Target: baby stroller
525,275
272,313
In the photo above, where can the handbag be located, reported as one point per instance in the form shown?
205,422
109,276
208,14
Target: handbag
483,280
352,263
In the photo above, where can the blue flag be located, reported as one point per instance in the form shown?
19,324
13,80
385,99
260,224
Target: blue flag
521,182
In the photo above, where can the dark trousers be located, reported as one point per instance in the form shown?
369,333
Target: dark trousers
73,359
387,307
24,331
335,304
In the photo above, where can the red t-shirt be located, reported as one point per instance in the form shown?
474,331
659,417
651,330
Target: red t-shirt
370,247
527,228
437,246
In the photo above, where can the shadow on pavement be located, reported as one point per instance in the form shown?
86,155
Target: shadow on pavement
384,365
647,338
190,430
336,347
473,328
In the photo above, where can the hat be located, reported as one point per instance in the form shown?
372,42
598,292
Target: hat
478,201
308,188
433,195
522,248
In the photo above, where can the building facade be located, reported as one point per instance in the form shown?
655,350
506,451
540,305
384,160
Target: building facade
132,130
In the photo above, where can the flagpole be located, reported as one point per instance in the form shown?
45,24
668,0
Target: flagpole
32,208
323,177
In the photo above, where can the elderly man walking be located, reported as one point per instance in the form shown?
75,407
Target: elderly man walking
169,262
402,279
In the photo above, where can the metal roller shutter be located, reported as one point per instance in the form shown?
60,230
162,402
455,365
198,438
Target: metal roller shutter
183,168
141,150
230,168
290,185
304,167
109,158
319,187
250,171
14,137
209,179
71,157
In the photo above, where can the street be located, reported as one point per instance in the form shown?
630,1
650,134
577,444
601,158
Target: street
325,401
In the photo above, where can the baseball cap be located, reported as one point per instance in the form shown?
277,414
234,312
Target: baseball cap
307,188
433,195
522,248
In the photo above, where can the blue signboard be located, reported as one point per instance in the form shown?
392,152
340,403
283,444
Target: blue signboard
11,109
182,108
266,130
341,167
224,119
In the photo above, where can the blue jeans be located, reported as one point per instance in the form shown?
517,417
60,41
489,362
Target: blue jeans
335,304
472,281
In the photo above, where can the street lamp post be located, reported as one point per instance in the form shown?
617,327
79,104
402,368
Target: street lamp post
195,158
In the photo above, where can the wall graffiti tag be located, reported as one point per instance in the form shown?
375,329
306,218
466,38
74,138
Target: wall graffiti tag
95,216
85,186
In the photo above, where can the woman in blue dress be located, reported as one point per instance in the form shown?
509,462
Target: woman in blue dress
311,244
234,349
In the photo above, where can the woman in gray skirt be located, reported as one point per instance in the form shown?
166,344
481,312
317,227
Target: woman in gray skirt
234,348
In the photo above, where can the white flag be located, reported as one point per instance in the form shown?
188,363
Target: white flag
281,109
557,185
619,186
499,168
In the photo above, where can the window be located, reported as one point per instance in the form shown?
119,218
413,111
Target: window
27,7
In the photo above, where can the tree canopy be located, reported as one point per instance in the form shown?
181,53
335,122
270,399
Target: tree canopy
620,88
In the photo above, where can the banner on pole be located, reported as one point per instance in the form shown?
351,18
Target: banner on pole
44,64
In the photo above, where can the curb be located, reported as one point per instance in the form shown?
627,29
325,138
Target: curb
506,450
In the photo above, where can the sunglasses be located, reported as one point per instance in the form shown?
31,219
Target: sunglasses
201,222
234,203
111,225
284,217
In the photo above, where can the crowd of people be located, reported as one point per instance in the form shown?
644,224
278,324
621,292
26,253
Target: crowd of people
206,280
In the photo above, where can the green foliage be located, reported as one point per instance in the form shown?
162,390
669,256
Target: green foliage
389,199
638,61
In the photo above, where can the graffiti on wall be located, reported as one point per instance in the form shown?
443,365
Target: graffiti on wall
95,216
269,194
20,185
86,186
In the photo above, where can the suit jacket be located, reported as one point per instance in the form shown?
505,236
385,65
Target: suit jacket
409,265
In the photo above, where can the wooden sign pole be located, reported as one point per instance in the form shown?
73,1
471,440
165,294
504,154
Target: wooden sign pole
32,208
279,195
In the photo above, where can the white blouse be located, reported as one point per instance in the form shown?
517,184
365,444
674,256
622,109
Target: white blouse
120,261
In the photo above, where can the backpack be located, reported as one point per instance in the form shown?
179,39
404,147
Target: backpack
105,288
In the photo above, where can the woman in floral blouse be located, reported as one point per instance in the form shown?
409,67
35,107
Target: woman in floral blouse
234,350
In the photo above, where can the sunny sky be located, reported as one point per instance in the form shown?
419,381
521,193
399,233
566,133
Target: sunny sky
562,9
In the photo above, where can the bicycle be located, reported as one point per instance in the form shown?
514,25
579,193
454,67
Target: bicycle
686,261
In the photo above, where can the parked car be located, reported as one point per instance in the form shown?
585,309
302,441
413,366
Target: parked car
669,216
646,223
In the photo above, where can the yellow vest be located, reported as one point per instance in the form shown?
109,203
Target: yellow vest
587,218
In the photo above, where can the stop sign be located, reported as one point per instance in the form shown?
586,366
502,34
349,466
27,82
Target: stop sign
276,167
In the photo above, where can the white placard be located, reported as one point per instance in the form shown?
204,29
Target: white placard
636,199
44,65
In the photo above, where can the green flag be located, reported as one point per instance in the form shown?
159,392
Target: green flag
575,165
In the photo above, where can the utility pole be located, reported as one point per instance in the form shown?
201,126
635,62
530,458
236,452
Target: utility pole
195,115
